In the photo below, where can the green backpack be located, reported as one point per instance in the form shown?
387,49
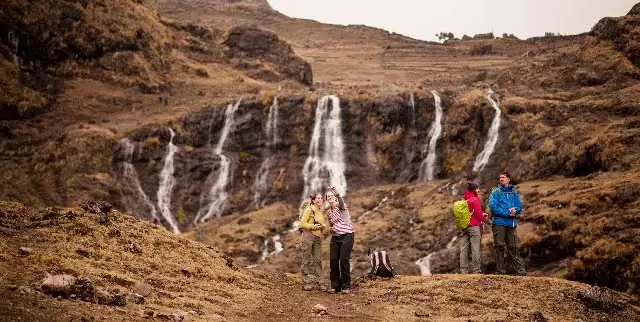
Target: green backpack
461,214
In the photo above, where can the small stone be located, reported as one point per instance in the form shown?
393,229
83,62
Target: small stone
420,313
12,287
103,297
320,309
148,313
142,289
136,298
177,317
24,251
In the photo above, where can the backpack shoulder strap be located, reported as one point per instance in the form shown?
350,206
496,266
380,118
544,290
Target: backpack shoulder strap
386,262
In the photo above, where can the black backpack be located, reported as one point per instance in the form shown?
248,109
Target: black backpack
380,264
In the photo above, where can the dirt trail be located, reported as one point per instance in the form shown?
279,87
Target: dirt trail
288,302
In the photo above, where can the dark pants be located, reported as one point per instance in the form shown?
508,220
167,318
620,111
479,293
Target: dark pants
506,241
339,255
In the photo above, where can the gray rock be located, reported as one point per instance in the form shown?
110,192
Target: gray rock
58,284
143,289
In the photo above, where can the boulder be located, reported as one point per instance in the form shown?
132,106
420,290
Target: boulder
247,44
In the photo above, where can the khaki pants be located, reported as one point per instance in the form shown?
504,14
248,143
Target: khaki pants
311,268
470,247
506,241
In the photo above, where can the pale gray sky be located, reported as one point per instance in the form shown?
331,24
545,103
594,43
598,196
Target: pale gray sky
422,19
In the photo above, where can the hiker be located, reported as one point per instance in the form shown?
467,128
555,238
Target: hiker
341,242
505,205
313,227
472,235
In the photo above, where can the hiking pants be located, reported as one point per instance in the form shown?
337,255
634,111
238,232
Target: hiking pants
470,247
505,241
311,268
339,255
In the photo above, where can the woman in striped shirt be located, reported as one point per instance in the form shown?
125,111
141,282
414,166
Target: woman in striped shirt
341,242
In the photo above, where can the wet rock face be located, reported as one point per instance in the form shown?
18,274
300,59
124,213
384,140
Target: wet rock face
265,56
382,144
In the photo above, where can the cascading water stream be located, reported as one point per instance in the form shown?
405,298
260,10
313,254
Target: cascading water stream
272,124
271,131
424,263
427,167
167,181
216,200
321,172
131,180
483,158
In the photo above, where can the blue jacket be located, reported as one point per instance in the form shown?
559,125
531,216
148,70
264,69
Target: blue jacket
501,199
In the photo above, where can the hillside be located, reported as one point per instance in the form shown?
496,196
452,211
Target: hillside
200,117
120,268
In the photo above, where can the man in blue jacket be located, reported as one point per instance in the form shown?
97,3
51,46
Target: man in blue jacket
505,205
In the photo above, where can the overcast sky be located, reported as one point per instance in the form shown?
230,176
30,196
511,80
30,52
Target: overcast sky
422,19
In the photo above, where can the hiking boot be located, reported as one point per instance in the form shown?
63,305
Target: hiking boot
331,291
308,288
345,291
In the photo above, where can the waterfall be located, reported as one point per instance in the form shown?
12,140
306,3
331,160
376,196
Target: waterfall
216,200
167,181
483,158
278,248
272,124
260,185
319,173
427,167
131,180
271,131
412,102
424,263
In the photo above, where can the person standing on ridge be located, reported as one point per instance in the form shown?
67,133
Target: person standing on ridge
472,235
313,227
341,242
505,205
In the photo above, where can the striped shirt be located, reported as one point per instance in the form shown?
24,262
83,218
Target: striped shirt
340,220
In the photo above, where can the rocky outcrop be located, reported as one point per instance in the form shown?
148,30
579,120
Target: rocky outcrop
621,33
46,42
265,56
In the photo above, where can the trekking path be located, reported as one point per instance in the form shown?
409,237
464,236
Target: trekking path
451,298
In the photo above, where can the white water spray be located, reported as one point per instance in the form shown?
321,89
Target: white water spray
216,200
272,124
271,130
483,158
412,102
260,185
167,181
424,263
320,172
427,167
277,248
131,180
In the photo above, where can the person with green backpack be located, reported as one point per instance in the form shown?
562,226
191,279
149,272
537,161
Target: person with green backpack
313,228
471,229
